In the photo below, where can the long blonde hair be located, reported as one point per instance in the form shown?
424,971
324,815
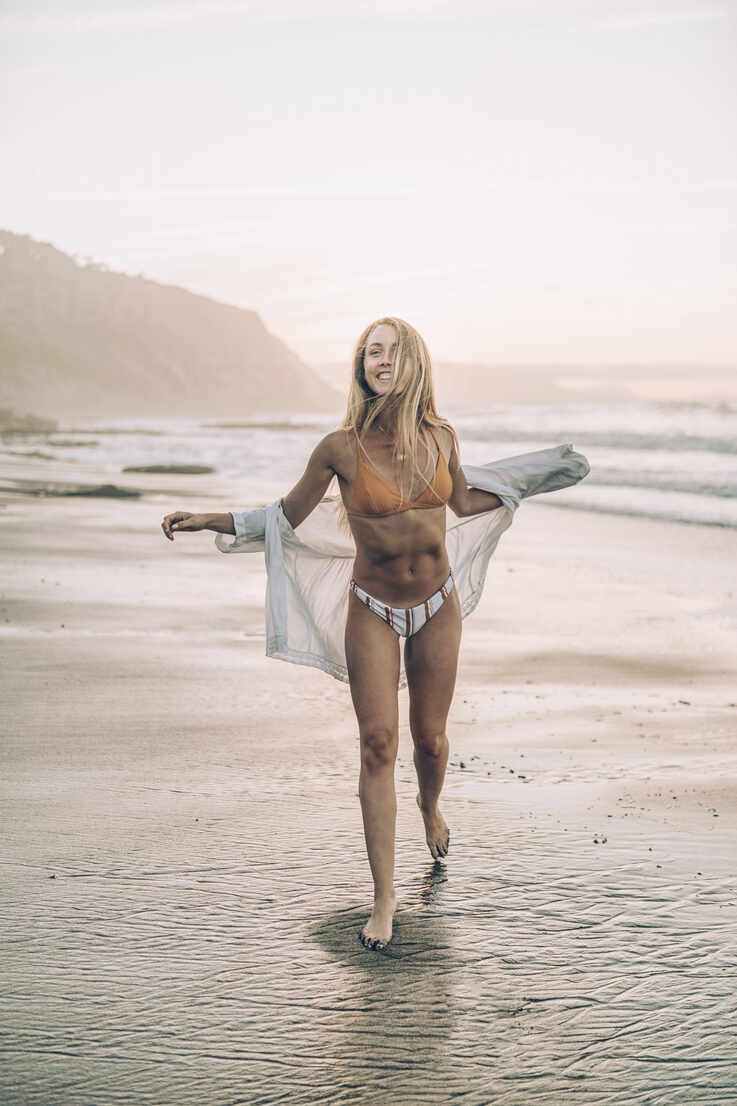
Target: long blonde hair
410,404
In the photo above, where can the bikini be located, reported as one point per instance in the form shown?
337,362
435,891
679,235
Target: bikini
375,497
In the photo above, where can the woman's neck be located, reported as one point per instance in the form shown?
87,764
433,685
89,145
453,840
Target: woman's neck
387,424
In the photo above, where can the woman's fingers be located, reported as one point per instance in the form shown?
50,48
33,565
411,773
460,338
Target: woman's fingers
173,522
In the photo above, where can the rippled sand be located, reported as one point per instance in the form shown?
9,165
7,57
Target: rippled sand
184,874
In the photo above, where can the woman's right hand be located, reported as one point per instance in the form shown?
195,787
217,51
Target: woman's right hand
182,520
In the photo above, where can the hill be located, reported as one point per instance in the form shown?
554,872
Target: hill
78,339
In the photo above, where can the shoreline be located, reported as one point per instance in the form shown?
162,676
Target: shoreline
24,476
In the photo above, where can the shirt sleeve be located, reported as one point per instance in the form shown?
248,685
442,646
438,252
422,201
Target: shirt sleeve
250,527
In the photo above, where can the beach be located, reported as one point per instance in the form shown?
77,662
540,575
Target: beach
184,873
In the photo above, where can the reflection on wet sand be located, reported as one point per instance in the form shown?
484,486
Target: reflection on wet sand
394,1011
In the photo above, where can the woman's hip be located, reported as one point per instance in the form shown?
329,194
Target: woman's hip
406,621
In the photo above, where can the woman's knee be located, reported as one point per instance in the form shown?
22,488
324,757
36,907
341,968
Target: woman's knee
430,741
378,748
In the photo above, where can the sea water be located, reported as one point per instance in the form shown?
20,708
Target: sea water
667,460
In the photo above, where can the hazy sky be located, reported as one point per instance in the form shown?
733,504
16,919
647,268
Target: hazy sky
522,181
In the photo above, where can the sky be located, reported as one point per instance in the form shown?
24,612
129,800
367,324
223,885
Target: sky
551,182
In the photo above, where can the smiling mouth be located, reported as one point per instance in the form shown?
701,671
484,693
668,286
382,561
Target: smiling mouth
384,376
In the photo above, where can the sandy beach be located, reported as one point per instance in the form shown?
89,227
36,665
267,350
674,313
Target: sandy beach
184,872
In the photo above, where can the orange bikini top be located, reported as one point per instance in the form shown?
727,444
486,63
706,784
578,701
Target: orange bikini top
373,495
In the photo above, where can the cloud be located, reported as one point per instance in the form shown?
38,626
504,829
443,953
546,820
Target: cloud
638,20
562,185
156,16
322,287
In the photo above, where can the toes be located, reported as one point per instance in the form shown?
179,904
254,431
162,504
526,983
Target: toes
372,942
439,849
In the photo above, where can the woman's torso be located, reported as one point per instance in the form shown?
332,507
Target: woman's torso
400,557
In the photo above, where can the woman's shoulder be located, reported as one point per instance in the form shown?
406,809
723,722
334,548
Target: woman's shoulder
337,439
340,445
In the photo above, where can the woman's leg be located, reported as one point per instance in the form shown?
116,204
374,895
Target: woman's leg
431,663
372,653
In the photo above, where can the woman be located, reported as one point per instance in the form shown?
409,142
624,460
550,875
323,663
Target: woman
397,465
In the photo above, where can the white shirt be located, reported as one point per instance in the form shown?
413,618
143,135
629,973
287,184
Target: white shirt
309,569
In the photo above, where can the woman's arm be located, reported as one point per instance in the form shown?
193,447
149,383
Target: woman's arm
221,524
185,520
322,466
465,501
478,501
297,505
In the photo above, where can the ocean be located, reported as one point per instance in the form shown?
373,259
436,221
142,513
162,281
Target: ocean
665,460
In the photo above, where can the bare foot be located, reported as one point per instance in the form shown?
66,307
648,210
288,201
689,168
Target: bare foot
377,933
437,833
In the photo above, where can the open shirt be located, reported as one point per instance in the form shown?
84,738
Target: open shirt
309,569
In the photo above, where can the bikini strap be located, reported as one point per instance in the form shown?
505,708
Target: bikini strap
437,443
360,444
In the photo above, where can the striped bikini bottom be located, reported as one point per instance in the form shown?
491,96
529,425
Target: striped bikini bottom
406,620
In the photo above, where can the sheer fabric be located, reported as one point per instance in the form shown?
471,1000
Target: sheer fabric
309,569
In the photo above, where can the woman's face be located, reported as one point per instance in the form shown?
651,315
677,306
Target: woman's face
379,358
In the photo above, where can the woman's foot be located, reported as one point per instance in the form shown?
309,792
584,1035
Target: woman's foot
437,833
377,933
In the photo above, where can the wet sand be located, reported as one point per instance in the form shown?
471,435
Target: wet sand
184,873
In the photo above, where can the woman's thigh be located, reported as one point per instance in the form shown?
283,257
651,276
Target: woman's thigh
372,655
431,663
